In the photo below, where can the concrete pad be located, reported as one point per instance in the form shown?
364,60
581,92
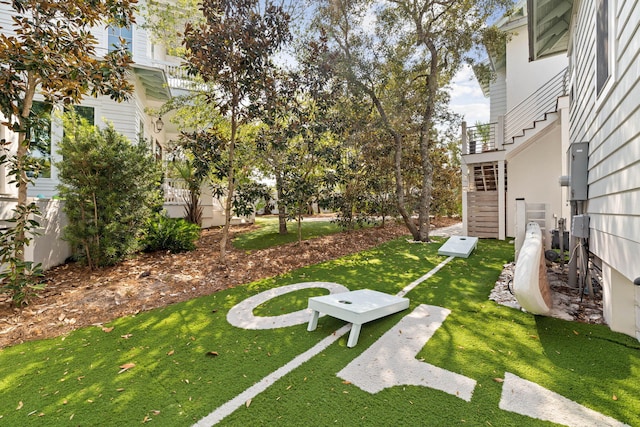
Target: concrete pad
459,246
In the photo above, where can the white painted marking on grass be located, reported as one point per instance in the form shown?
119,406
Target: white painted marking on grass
233,404
391,360
241,315
532,400
246,312
416,282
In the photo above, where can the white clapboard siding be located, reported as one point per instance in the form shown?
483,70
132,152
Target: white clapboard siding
123,116
6,21
611,124
498,91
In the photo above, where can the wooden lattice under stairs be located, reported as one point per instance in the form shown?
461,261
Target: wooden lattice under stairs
482,201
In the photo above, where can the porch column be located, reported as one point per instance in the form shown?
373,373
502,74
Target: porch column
501,201
465,189
464,169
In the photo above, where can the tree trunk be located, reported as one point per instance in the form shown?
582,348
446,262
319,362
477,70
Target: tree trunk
425,192
282,209
21,153
425,145
230,190
399,142
400,189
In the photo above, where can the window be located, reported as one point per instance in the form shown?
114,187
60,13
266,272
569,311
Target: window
603,69
116,34
39,136
86,113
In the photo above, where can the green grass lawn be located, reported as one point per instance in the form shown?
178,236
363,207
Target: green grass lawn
173,379
267,235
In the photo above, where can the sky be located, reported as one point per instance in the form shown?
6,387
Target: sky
467,98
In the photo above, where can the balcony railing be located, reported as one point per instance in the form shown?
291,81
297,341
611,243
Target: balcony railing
481,138
534,108
493,136
177,76
175,192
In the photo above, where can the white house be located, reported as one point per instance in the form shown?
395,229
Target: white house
130,118
586,132
156,76
528,131
602,42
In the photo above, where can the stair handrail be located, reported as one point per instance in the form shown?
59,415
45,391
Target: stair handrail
535,106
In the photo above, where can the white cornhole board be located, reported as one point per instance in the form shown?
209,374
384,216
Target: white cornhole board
460,246
357,307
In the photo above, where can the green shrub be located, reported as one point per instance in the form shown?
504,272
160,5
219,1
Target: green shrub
111,188
170,234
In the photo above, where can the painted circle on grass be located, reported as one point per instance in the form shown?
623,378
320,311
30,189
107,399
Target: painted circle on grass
241,315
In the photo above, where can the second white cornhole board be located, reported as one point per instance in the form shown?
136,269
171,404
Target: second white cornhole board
460,246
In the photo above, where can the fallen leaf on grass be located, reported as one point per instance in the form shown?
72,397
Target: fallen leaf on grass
614,397
126,367
576,332
126,336
247,403
499,380
20,405
346,382
170,353
212,353
107,330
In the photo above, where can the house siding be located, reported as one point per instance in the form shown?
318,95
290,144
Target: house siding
498,91
610,123
518,65
6,21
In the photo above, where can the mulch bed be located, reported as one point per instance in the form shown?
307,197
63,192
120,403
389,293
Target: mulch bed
76,296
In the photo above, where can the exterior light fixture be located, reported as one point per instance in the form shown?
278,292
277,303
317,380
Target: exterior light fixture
158,125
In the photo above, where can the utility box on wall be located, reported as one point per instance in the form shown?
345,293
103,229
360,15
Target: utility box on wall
578,170
580,226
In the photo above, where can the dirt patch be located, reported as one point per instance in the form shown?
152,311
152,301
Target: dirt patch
76,296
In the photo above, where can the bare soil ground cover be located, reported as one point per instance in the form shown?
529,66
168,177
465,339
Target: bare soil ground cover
76,296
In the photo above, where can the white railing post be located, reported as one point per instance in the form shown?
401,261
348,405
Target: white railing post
465,200
500,133
464,138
